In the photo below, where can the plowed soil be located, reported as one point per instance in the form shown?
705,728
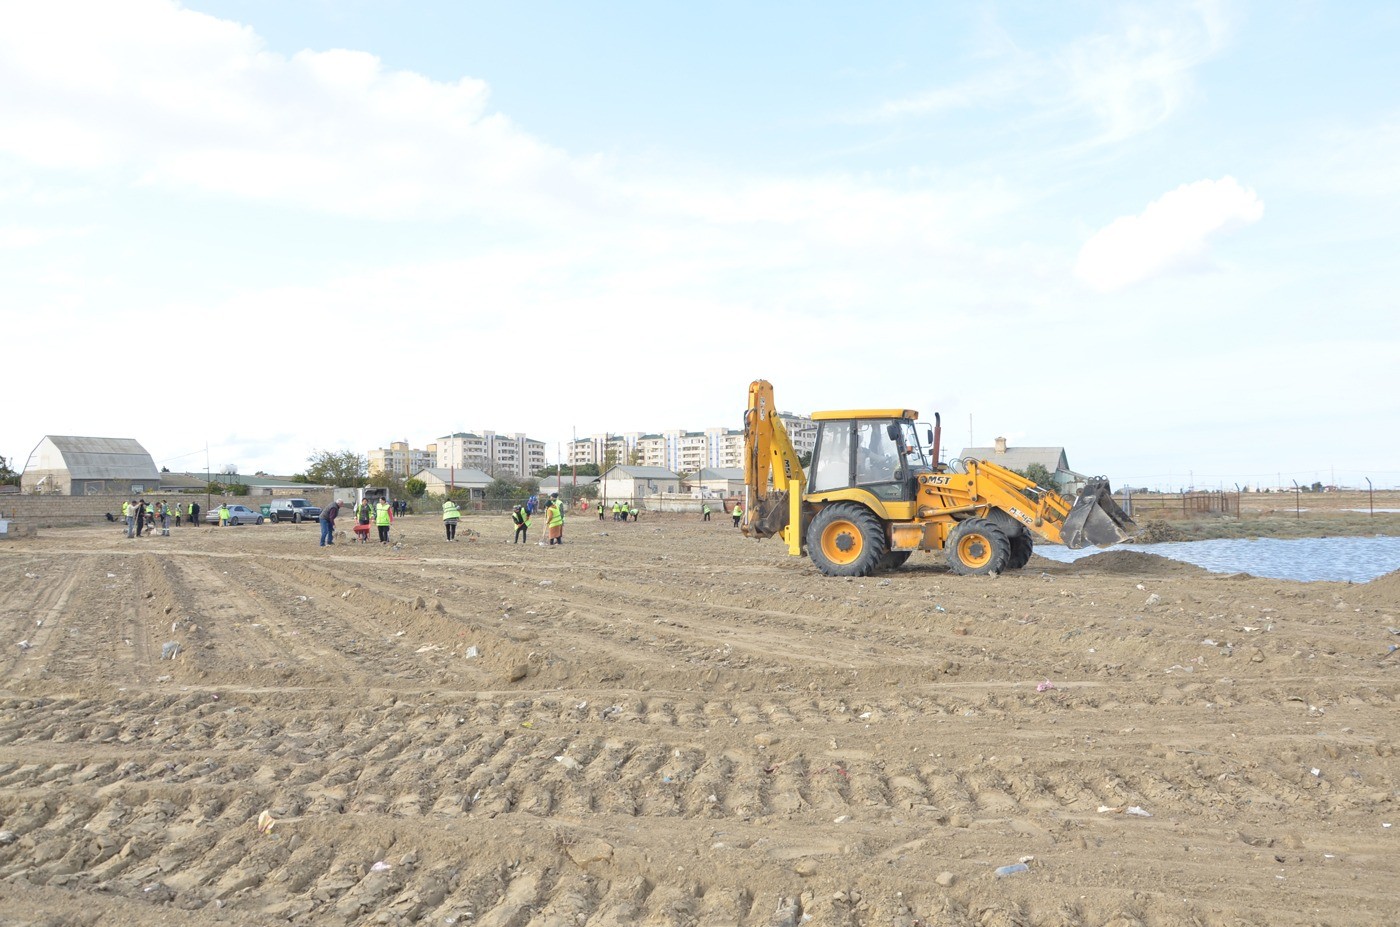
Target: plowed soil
664,723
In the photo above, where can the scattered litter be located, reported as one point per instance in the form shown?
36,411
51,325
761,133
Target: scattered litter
1316,771
169,650
546,582
111,576
940,608
567,762
1210,643
1248,629
1154,599
472,651
428,648
266,822
380,866
1012,869
25,645
7,837
1045,686
1134,810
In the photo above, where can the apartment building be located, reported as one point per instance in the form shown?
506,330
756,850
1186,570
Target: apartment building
398,459
681,450
497,454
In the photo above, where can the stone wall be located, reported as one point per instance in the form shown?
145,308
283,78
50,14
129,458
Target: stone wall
52,511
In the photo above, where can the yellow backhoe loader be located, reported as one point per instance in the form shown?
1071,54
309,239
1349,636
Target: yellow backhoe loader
873,497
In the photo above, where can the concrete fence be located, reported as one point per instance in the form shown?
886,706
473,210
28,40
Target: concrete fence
29,511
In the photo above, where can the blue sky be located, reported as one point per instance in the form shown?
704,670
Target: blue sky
1162,235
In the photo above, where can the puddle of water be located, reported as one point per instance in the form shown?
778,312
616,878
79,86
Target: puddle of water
1368,511
1349,559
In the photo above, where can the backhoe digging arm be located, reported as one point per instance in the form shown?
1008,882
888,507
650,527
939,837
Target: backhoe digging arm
770,461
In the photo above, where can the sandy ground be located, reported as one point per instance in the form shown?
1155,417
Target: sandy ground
664,723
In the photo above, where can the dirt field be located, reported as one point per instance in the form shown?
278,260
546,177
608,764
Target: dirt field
663,723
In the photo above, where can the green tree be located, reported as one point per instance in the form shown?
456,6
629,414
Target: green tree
337,468
8,477
415,488
571,493
505,491
1039,475
587,469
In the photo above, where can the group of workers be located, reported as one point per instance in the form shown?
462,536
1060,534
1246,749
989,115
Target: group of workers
621,511
554,521
141,515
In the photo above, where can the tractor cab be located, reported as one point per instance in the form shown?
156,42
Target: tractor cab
876,450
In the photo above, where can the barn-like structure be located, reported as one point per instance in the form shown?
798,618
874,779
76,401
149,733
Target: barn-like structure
78,466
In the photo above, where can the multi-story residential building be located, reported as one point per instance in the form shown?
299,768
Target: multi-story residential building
398,459
802,432
680,450
497,454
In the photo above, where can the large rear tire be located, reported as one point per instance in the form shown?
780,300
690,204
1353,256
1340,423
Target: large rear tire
977,547
1022,546
846,539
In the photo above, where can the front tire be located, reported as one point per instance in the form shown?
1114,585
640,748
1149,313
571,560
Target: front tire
978,547
296,518
846,539
1022,546
259,521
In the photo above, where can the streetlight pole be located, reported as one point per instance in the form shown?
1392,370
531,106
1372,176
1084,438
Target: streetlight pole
1371,494
1297,500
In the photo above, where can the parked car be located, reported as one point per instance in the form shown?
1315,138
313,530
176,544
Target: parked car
237,515
296,510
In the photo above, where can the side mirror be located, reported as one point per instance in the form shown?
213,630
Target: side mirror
892,429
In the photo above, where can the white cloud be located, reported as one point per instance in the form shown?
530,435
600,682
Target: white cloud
1171,233
1127,80
1136,78
177,99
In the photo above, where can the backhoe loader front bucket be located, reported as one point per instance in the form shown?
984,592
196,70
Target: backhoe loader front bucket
1096,519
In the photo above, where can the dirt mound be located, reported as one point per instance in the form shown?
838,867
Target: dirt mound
1383,590
1135,563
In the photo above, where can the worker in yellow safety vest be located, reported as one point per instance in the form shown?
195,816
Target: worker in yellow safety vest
383,515
556,521
738,513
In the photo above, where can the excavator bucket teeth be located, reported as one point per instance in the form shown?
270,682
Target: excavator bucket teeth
771,517
1096,519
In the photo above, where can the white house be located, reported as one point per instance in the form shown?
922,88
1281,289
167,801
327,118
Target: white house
635,484
717,482
441,479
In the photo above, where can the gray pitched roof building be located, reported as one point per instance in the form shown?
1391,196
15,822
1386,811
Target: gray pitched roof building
72,465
